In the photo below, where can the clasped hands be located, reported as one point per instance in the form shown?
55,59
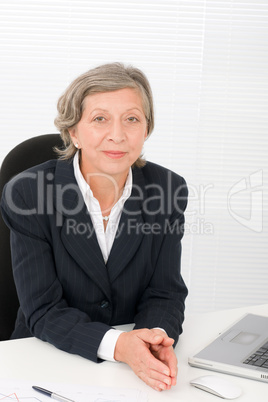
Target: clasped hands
150,354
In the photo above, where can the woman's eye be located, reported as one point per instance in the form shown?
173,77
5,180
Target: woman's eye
132,119
99,119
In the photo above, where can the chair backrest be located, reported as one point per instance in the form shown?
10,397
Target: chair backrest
27,154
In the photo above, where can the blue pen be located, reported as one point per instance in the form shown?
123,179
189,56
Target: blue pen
52,395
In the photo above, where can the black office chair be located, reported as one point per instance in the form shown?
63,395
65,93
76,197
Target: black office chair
27,154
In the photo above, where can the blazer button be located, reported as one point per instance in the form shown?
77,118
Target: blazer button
104,304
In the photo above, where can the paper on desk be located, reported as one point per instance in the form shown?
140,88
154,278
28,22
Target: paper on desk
21,391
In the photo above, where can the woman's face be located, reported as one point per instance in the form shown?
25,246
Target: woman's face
111,132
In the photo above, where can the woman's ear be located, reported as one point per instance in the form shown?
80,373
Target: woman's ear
72,132
146,134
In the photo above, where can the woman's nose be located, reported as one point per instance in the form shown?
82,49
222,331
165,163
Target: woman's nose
116,131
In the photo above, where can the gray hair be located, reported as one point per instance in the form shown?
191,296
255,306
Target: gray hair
104,78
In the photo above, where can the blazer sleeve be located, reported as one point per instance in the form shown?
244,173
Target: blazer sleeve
47,314
163,302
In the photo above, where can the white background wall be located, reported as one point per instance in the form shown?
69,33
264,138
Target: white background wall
207,61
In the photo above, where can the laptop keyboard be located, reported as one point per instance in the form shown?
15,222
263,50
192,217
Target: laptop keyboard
259,358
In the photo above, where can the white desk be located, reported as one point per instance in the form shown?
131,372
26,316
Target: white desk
34,360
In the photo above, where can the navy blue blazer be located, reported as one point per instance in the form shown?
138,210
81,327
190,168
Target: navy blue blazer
68,295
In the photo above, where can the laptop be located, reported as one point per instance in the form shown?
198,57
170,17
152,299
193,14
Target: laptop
241,350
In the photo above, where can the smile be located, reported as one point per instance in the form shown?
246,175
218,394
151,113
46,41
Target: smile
114,154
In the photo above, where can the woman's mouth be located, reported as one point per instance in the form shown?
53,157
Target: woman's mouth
114,154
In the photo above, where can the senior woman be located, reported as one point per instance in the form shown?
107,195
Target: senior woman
96,234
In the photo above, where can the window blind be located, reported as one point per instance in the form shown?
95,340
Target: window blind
207,61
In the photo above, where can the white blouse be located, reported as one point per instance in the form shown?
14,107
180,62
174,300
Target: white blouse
105,239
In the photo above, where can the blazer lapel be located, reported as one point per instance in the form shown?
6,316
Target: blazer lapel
77,232
129,234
